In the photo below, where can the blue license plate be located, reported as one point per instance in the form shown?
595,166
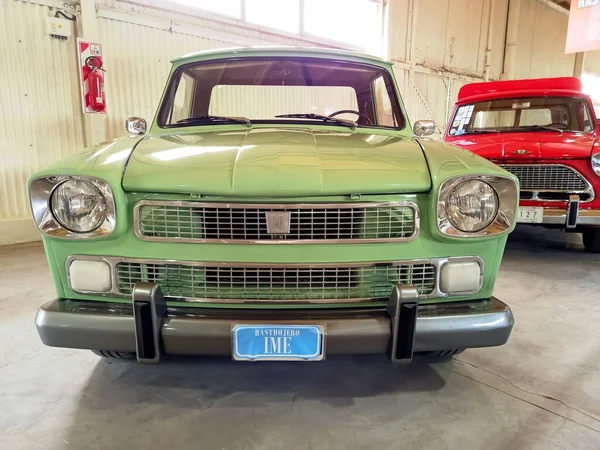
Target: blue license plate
278,342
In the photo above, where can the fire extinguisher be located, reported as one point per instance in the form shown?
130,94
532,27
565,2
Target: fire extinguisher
95,84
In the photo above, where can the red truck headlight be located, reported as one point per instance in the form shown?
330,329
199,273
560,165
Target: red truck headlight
596,163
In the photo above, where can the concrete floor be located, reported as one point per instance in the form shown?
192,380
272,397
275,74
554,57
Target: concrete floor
541,390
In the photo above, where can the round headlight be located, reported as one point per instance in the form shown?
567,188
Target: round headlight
78,206
472,206
596,163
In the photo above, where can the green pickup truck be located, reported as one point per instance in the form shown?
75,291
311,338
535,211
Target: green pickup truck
278,207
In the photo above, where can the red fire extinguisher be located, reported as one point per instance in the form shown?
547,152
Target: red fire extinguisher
96,98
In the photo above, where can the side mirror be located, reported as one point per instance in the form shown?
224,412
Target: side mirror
424,127
135,125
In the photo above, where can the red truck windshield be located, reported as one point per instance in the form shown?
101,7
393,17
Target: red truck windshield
522,115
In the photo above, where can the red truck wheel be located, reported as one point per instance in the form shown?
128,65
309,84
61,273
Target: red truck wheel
591,240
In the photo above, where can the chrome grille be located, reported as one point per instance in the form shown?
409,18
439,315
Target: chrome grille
550,177
242,223
288,283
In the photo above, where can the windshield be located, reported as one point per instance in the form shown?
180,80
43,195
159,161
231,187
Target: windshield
261,90
552,114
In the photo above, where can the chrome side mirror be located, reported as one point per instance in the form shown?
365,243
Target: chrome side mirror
135,125
424,127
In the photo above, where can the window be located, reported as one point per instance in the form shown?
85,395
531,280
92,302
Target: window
265,89
591,85
537,116
357,22
248,100
281,14
354,22
231,8
485,119
587,120
383,106
523,115
182,100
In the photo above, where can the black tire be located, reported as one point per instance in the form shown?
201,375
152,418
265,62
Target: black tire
111,354
591,240
443,353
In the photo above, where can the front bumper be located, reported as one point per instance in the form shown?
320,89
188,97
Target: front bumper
195,331
585,217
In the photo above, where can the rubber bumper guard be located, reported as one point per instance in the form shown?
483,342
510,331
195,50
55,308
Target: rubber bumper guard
150,309
403,308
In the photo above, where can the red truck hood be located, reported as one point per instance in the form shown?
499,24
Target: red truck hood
527,145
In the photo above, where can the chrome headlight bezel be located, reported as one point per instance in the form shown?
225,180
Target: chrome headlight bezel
596,163
508,199
40,195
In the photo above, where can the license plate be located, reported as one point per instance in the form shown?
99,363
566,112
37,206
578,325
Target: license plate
530,214
278,342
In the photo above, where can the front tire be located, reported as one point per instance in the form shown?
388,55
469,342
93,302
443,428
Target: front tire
111,354
437,356
444,353
591,240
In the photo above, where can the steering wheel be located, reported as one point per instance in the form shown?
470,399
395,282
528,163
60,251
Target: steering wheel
351,111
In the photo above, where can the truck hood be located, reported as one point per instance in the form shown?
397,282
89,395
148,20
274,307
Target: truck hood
277,162
528,145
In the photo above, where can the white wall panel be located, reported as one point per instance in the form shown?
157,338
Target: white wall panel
399,36
449,35
137,64
466,35
541,42
429,32
496,57
439,45
442,43
431,98
41,122
139,41
592,62
40,86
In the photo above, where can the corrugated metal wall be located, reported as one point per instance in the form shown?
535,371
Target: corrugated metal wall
541,47
437,45
447,48
445,34
41,122
140,41
136,74
40,87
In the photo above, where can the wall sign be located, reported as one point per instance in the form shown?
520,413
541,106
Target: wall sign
91,77
583,34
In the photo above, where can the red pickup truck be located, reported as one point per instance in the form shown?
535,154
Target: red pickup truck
546,133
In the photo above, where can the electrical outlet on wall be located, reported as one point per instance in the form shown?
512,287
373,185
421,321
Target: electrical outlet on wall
60,28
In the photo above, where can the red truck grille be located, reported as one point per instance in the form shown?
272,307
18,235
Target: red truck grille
549,182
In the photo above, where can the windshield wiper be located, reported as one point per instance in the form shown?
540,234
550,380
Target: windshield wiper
343,122
479,131
216,119
547,127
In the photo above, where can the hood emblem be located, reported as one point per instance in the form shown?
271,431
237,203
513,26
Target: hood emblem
521,152
278,222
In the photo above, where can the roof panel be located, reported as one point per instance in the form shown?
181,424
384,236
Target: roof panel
279,51
497,88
